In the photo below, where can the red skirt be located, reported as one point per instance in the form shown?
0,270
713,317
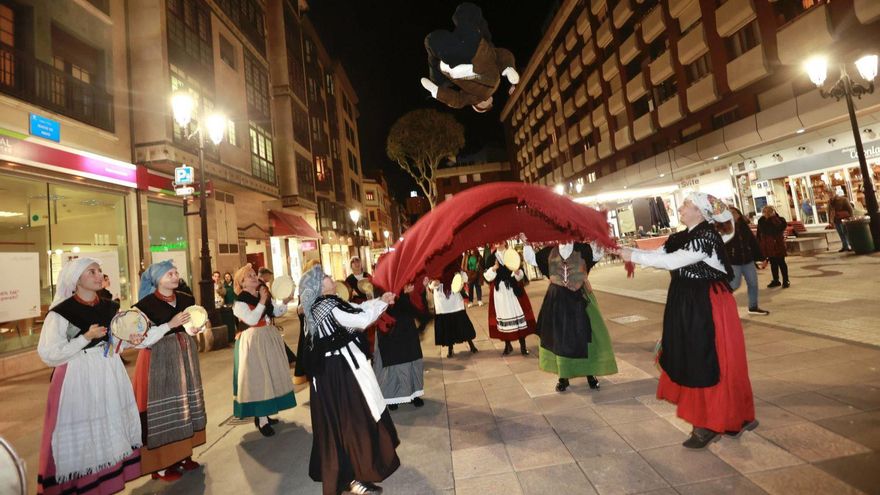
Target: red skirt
527,312
728,404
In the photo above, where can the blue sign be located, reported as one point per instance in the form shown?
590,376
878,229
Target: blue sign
184,176
45,128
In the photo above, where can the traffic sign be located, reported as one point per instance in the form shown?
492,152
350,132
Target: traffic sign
184,191
184,176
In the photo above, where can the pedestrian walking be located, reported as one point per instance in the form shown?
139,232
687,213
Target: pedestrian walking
574,339
167,378
74,341
771,238
471,264
840,209
261,383
354,440
744,252
703,354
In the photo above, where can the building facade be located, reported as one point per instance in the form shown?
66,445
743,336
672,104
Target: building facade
377,205
68,184
652,99
452,180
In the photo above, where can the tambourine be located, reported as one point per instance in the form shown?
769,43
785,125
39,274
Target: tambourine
129,323
13,477
282,287
457,283
365,286
512,260
342,291
198,317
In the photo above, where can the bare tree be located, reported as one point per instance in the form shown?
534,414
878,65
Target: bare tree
419,142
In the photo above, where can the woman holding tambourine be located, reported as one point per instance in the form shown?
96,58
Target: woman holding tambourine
167,380
261,375
88,373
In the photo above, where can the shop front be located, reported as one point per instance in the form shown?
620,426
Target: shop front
293,243
56,204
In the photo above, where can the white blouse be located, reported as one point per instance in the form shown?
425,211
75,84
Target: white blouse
251,317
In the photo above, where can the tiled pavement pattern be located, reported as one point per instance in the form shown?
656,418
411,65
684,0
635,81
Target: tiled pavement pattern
833,295
494,425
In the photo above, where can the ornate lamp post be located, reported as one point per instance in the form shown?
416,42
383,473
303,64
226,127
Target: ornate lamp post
182,105
846,87
356,217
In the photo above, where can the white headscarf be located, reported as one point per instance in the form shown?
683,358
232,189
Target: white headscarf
713,210
68,278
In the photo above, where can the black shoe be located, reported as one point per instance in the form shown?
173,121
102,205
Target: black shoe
593,382
562,385
786,284
362,488
524,351
392,407
842,250
758,311
700,438
507,349
773,284
266,430
273,421
474,349
747,426
450,353
418,402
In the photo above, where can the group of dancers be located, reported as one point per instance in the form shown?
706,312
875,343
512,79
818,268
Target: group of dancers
101,430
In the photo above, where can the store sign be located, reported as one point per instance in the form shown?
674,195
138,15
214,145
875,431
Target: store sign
870,152
308,245
19,148
689,183
19,286
45,128
184,191
184,176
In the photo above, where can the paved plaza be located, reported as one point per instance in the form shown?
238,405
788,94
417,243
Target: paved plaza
495,425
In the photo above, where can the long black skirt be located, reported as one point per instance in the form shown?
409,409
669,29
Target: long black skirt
453,328
299,369
688,352
563,323
347,443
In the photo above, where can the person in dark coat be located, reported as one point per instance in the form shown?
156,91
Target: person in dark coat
771,238
743,252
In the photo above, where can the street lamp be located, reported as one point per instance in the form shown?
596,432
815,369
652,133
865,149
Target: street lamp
356,217
845,87
182,106
386,235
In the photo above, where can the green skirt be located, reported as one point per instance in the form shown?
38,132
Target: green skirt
601,356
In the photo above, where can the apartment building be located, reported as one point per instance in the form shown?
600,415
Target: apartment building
628,99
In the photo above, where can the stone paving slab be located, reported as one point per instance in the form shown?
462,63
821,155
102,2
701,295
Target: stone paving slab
494,424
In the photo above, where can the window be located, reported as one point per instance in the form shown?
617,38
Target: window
462,179
642,106
743,40
322,173
313,90
257,86
372,212
699,68
666,90
189,31
248,16
726,117
330,88
262,156
304,177
231,133
477,177
310,47
371,196
7,40
227,52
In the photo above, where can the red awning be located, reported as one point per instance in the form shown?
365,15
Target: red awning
287,224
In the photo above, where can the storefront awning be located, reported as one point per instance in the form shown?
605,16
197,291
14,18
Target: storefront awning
289,225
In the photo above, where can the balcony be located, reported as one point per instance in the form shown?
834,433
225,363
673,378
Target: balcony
599,116
576,68
564,81
594,87
26,78
622,138
615,103
591,156
747,68
622,13
636,88
609,68
669,112
605,149
585,126
573,134
661,68
588,54
560,55
804,36
596,6
867,11
692,45
583,25
733,15
568,108
629,49
570,39
652,25
603,34
580,96
643,127
702,93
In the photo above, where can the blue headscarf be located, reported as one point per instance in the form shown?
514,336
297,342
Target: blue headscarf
151,276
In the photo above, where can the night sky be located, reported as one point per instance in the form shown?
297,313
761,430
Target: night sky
380,44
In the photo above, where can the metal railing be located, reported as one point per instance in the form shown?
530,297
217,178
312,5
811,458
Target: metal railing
26,78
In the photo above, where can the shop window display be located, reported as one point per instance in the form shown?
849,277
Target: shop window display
59,223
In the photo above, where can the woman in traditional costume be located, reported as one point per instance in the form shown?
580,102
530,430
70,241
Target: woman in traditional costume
397,361
574,339
703,355
261,374
299,368
167,379
357,274
91,432
510,312
354,439
451,324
